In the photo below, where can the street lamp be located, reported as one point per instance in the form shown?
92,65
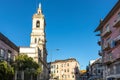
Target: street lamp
51,75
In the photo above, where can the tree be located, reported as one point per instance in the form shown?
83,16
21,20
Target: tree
6,71
27,64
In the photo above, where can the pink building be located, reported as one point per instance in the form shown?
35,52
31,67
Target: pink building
67,69
110,43
8,50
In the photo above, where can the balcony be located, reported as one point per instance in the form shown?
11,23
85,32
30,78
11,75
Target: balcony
109,58
108,62
99,43
106,47
100,53
117,39
106,33
117,23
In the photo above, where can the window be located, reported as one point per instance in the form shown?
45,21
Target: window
111,70
39,40
62,65
19,76
52,72
73,76
38,24
2,53
113,44
51,66
67,70
54,66
107,42
118,68
35,40
67,64
62,76
9,55
98,71
57,66
106,28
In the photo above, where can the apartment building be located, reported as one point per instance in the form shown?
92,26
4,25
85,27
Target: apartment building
67,69
8,50
95,69
109,29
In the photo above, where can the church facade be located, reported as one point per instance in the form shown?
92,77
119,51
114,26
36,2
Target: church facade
37,49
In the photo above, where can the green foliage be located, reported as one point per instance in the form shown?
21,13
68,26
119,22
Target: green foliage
27,64
38,70
6,71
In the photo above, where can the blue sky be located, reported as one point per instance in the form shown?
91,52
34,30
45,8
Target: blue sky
70,25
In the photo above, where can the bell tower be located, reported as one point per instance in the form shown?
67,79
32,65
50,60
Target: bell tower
38,28
37,49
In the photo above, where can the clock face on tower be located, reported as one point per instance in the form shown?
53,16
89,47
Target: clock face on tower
38,24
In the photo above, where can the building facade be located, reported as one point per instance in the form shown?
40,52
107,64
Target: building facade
37,49
109,29
83,75
95,69
8,50
67,69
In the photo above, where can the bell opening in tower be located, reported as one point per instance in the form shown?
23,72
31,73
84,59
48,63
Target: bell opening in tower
38,24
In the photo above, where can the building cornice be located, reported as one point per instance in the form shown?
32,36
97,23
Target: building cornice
110,14
66,60
38,16
8,42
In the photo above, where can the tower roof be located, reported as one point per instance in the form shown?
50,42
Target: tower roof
39,5
39,12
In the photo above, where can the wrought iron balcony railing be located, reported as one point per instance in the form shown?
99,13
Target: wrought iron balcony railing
106,47
106,33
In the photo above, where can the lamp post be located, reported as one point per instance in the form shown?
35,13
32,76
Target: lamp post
51,56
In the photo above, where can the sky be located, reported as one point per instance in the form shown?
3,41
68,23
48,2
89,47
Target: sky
70,25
